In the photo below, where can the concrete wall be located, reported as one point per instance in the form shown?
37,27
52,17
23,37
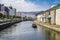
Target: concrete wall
58,16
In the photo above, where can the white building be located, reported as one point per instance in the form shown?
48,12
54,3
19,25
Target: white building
2,7
18,14
12,11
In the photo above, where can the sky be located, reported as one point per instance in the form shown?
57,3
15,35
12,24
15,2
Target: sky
30,5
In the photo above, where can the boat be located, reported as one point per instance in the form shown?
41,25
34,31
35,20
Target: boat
34,25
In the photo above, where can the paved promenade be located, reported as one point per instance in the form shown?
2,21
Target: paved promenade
48,26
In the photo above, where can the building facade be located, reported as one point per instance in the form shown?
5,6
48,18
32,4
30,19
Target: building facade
58,16
4,10
7,10
12,11
51,15
41,17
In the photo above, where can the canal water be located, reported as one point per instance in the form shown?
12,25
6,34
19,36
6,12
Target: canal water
23,31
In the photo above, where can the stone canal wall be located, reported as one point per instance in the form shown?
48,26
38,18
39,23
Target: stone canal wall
47,26
7,24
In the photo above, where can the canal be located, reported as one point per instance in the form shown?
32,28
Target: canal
24,31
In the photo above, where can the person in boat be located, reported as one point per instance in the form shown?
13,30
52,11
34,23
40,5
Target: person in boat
34,25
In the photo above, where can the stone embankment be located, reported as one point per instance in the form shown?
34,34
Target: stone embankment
47,26
7,24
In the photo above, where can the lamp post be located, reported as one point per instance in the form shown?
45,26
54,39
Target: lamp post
49,18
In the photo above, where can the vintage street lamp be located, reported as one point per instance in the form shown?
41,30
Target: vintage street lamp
49,18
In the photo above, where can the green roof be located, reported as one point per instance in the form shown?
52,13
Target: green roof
55,7
58,6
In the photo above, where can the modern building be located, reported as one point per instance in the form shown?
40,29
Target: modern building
0,7
12,11
4,10
9,11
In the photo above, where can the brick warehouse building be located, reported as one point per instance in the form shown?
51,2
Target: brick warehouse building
52,15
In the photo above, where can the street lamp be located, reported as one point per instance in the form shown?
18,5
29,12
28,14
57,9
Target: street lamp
49,18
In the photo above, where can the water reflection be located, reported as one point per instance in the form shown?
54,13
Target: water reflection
24,31
52,35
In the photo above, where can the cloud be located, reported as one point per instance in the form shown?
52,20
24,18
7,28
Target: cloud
22,5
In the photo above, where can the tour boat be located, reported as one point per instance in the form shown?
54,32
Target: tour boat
34,25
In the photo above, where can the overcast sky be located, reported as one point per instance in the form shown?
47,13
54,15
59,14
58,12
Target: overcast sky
30,5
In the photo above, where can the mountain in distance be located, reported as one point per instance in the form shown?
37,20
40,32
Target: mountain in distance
33,13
